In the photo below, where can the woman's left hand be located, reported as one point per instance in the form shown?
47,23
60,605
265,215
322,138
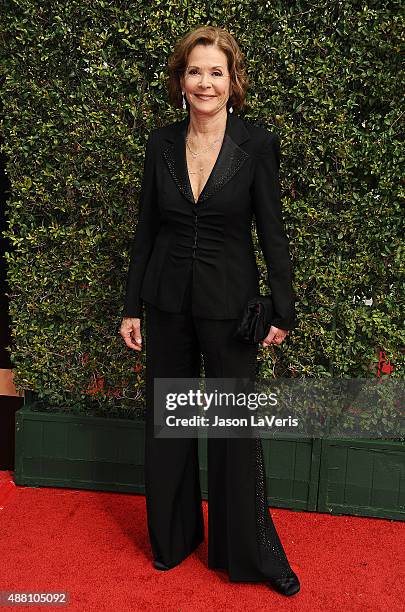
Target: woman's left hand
275,336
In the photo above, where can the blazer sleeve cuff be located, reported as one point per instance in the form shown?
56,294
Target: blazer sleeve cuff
287,324
134,311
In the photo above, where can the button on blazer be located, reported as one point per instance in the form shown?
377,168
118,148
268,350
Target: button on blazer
213,234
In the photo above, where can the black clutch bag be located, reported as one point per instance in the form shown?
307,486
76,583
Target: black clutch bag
255,321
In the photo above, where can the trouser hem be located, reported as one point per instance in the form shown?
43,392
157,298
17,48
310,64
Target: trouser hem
175,563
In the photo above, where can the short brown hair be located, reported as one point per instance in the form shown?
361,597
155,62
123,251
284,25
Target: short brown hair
208,35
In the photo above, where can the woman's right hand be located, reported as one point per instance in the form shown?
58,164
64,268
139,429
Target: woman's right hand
130,330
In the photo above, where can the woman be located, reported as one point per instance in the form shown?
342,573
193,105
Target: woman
193,266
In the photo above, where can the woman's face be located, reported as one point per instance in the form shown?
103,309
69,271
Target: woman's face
206,73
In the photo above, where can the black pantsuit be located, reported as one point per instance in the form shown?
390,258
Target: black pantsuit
193,267
241,535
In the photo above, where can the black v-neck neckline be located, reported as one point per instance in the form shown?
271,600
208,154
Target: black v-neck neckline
231,158
213,167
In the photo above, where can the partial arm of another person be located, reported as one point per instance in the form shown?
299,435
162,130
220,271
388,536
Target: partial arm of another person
273,238
142,245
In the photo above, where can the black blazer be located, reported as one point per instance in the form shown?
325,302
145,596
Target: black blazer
212,235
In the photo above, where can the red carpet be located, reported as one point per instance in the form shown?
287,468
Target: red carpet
95,546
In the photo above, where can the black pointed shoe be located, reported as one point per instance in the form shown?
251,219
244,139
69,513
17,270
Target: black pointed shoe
160,566
289,585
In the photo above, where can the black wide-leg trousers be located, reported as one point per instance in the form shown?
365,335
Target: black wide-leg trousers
242,538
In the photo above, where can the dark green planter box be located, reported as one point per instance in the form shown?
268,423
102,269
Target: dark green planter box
360,477
292,467
81,452
363,477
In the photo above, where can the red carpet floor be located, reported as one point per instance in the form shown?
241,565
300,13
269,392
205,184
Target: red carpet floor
95,546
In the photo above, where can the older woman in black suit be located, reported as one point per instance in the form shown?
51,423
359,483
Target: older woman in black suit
193,267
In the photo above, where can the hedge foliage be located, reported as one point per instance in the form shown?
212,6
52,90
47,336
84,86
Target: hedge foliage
82,85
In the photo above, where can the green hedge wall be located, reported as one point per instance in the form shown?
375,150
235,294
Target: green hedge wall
82,85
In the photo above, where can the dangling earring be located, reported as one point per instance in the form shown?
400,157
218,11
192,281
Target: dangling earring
184,101
230,109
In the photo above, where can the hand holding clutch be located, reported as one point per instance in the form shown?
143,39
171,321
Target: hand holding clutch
255,321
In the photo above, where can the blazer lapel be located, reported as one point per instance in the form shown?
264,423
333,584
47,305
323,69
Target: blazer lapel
230,158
